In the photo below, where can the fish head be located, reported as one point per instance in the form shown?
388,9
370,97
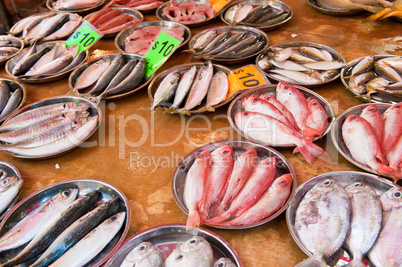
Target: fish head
251,101
313,104
145,251
224,262
267,97
268,163
194,244
114,221
223,156
370,109
7,182
356,188
396,108
284,90
204,155
66,196
392,199
283,182
353,119
325,186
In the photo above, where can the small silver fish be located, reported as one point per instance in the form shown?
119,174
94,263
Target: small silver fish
9,188
218,90
166,89
224,262
144,255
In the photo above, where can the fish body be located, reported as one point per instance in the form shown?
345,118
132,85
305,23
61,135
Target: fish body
27,62
184,86
194,252
122,74
218,90
64,30
317,121
12,103
374,117
271,99
204,40
166,89
242,13
394,156
54,66
392,126
4,94
51,25
9,188
144,255
91,74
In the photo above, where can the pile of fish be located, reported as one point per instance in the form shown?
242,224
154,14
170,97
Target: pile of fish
380,77
47,130
375,140
300,64
47,60
46,27
141,39
75,5
10,99
109,20
194,85
348,5
139,4
288,119
330,217
8,48
188,12
109,76
224,189
229,43
194,252
63,230
10,186
248,14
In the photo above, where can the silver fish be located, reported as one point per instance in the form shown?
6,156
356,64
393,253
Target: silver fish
122,74
53,66
91,74
46,58
51,25
364,65
4,94
258,13
204,40
243,52
220,38
143,255
239,45
184,86
9,188
78,59
242,13
65,30
218,90
229,42
325,65
224,262
299,77
312,52
166,89
12,103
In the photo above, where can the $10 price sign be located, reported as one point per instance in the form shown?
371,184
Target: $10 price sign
247,77
85,36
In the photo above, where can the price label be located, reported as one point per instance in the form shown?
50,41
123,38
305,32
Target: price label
247,77
217,5
85,36
160,51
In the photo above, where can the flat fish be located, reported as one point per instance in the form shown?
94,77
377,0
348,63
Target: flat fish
144,254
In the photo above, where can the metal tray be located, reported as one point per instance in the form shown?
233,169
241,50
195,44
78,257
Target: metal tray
13,40
333,12
345,178
236,106
93,110
73,77
8,171
336,55
239,147
183,68
85,186
81,11
121,37
14,85
166,237
277,4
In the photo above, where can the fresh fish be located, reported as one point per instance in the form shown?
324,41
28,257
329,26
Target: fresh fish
9,188
166,89
243,52
271,99
218,90
78,59
258,13
51,25
4,94
324,65
392,126
316,122
228,43
299,77
388,73
91,74
12,103
298,57
282,54
194,187
46,58
312,52
374,117
184,86
65,30
27,228
204,40
214,43
264,63
194,252
242,13
73,4
144,255
116,21
76,231
31,21
288,65
239,45
230,13
27,62
260,179
122,74
365,221
273,17
363,66
224,262
394,156
322,221
54,66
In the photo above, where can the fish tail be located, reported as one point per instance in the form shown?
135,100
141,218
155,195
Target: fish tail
211,109
384,170
310,133
193,221
312,262
310,151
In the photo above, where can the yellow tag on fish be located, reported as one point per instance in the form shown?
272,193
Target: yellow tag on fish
85,36
217,5
247,77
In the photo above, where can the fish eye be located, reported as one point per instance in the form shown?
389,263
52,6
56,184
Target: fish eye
269,97
286,87
141,248
372,109
282,183
5,182
225,152
245,113
66,193
327,182
193,241
315,104
353,117
221,264
255,99
397,194
398,106
357,185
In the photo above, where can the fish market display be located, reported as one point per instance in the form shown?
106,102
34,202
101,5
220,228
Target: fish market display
303,63
341,5
11,97
375,78
142,5
48,26
186,12
145,254
9,46
9,188
74,5
113,20
188,88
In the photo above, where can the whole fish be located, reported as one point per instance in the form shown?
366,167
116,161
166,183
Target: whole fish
394,156
214,43
12,103
389,238
9,188
53,53
322,221
78,59
240,52
228,43
316,122
242,13
365,221
54,66
92,244
31,21
65,30
224,262
166,89
143,255
51,25
194,252
204,40
91,74
271,99
4,94
218,90
392,126
184,86
374,117
122,74
27,228
230,13
27,62
239,46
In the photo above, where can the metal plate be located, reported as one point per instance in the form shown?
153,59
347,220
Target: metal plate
166,237
345,178
93,110
73,77
121,37
13,40
335,54
237,106
42,79
382,97
269,26
132,12
233,29
182,69
333,12
283,166
8,171
85,186
336,133
14,85
81,11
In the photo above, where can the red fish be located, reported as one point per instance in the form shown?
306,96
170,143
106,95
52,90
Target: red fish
392,126
316,122
271,99
374,117
394,156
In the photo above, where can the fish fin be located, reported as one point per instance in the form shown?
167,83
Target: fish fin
193,221
310,151
310,133
355,263
223,217
211,109
312,262
183,111
384,170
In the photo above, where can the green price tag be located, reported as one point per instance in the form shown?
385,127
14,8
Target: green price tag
85,36
160,51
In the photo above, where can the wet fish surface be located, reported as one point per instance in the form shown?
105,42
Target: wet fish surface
144,254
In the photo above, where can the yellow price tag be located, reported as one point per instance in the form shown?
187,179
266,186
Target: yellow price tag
217,5
247,77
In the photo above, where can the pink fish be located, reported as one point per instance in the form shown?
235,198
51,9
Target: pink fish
392,126
205,10
172,12
268,203
317,121
116,21
374,117
394,156
271,99
187,7
260,179
120,27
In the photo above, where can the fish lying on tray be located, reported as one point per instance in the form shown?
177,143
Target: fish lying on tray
9,100
75,5
112,20
9,188
188,12
369,5
8,48
141,5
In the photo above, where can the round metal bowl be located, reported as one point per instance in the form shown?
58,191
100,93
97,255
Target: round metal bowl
233,29
182,69
333,12
379,97
121,37
9,170
14,85
336,133
345,178
166,238
134,13
237,106
336,55
13,40
268,26
81,11
93,110
39,79
74,76
84,186
283,166
161,16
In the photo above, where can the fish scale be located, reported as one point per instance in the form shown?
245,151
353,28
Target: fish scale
145,254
